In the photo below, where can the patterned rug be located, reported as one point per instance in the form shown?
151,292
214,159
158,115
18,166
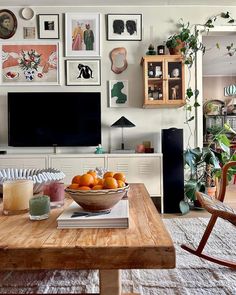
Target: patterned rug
191,276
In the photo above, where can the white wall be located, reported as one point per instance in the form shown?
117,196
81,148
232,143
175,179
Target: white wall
149,122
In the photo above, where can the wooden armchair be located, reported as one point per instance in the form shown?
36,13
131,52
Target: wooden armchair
218,209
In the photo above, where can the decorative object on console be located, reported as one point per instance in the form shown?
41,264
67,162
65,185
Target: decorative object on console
99,149
8,24
82,34
48,26
30,63
118,93
123,123
124,27
118,60
83,72
40,177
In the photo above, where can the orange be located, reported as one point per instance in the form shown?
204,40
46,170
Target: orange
86,180
73,186
110,182
84,188
75,179
100,181
93,173
120,183
120,176
96,187
108,174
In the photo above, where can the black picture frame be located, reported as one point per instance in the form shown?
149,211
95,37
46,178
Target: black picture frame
7,19
48,26
124,27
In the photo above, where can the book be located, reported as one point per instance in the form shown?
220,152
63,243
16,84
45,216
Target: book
76,217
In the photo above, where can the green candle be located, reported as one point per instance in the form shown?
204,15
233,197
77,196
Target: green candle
39,207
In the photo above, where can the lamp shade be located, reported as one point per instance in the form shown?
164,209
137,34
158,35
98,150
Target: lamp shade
231,90
123,122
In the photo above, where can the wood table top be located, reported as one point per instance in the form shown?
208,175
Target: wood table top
26,244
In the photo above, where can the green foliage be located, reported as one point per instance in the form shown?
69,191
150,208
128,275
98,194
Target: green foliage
216,154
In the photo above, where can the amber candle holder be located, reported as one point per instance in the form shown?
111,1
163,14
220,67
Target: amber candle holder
16,196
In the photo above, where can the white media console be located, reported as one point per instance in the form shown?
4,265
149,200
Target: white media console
138,168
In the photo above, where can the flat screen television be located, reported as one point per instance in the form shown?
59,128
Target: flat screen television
43,119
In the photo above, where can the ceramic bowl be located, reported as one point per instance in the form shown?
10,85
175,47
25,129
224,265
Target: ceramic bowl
40,177
97,200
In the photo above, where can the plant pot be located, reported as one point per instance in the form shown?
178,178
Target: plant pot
177,50
211,191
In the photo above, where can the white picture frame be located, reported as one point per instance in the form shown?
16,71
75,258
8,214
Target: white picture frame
83,72
44,67
82,35
124,27
118,94
48,26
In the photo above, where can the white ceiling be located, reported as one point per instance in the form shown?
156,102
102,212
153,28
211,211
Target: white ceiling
116,2
217,61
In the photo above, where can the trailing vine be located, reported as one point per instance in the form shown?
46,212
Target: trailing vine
190,38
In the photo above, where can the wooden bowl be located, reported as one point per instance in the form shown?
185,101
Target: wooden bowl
97,200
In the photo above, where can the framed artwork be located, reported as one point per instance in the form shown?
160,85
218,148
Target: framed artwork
124,27
31,63
29,32
8,24
48,26
83,72
118,93
82,34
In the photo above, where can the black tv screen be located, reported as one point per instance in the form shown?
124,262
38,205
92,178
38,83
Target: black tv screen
42,119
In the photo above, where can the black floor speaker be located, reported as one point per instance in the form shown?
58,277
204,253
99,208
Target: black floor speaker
173,169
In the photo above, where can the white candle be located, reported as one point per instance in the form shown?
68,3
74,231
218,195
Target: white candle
16,196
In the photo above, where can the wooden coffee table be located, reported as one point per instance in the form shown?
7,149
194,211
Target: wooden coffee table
146,244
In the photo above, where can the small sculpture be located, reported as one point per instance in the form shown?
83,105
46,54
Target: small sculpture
99,149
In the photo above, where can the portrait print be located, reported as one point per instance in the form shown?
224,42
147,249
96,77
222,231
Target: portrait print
124,27
82,34
48,26
8,24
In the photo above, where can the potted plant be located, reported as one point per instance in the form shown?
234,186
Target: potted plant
205,166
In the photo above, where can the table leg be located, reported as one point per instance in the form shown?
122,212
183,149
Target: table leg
110,283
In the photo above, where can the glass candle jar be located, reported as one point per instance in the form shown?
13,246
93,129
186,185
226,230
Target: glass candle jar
39,207
16,196
55,191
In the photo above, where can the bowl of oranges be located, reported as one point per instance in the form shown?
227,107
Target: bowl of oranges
95,193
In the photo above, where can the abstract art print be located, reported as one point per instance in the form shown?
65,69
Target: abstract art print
83,72
82,34
118,93
30,64
124,27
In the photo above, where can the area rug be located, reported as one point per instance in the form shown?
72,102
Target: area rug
192,275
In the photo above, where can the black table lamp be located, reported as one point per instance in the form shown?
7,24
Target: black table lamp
123,123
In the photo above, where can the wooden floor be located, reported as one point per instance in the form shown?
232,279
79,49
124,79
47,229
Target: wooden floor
230,199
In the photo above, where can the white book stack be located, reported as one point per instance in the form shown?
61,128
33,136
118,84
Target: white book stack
76,217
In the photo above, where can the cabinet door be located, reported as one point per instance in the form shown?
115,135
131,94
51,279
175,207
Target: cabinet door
140,170
23,162
72,166
174,89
